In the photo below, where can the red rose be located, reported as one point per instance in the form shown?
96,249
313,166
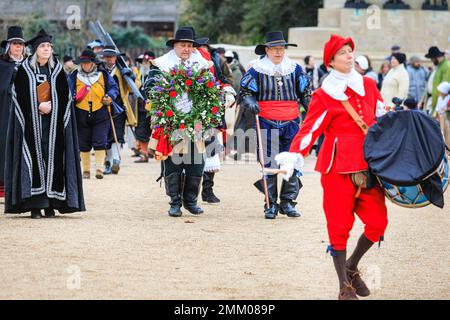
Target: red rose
169,113
180,72
210,84
188,82
182,126
215,110
172,73
173,94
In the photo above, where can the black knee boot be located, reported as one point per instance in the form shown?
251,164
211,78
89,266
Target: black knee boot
172,183
271,211
288,195
207,188
191,190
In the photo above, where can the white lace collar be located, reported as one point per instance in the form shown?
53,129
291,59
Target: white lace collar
336,83
267,67
88,78
170,60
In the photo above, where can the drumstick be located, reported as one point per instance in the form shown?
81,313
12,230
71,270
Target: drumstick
261,161
274,171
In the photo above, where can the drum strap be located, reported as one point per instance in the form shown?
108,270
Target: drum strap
360,122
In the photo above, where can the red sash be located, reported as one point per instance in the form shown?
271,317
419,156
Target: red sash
279,110
82,93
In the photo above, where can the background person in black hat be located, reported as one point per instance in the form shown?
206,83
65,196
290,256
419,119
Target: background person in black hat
442,73
93,90
272,89
14,45
110,54
14,54
43,124
69,65
215,143
143,130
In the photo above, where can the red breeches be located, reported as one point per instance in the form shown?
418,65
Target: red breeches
340,206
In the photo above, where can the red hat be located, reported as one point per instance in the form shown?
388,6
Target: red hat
333,45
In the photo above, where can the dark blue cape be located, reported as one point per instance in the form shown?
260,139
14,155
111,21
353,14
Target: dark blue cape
404,148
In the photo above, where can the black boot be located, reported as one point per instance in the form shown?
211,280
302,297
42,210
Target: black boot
191,190
207,188
172,183
36,214
288,195
271,212
49,213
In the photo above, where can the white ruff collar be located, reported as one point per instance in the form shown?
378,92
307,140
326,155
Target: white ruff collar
88,78
267,67
336,83
170,60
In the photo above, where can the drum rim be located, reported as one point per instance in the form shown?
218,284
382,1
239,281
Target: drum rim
424,204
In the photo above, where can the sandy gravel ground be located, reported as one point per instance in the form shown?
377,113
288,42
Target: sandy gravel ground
127,247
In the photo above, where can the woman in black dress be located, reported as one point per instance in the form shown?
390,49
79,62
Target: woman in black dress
42,160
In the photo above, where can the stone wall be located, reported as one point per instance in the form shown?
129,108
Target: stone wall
375,31
338,4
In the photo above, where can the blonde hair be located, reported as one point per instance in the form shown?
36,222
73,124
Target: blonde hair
384,64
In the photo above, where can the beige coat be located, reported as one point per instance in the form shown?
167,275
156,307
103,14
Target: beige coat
395,84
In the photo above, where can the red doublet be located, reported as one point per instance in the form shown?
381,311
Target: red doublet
342,153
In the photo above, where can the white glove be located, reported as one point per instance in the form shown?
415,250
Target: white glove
289,161
229,100
229,94
229,89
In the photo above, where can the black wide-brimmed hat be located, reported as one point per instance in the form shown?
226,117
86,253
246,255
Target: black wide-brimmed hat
14,34
203,41
110,51
183,35
87,56
41,37
273,39
434,52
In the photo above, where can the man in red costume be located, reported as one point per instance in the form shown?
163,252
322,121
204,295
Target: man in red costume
340,157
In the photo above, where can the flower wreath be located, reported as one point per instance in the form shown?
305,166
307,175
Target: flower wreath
186,102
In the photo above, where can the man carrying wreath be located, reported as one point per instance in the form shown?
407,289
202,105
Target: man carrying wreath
182,162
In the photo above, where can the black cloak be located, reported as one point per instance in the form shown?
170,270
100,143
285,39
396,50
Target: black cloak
405,148
6,74
42,154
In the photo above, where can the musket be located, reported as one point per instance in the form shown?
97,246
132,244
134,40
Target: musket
101,34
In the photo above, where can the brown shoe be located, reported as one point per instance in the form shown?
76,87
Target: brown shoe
348,293
99,174
143,158
357,282
86,175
